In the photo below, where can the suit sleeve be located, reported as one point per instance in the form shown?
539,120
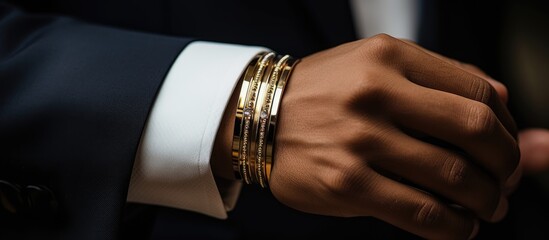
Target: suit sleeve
74,99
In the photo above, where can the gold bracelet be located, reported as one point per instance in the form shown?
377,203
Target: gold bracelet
263,84
239,167
265,78
263,121
281,84
247,114
247,164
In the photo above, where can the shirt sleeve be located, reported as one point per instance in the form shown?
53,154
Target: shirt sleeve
172,166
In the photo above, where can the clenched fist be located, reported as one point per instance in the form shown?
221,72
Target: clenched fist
383,128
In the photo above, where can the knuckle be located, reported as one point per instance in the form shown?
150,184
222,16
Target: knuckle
382,46
369,87
455,171
428,214
346,182
482,90
458,175
373,90
480,121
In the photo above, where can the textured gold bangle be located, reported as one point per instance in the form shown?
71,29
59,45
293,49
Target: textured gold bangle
264,76
263,83
264,111
239,167
245,163
281,84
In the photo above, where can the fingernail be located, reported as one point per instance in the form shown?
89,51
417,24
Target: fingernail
513,180
501,210
475,230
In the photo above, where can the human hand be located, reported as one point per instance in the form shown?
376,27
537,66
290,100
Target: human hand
533,142
382,128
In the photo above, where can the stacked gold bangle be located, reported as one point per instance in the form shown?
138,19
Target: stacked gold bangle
263,84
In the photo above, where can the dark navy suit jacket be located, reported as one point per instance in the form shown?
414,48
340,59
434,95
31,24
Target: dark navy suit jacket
78,78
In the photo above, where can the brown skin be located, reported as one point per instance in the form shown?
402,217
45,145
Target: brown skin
533,143
357,125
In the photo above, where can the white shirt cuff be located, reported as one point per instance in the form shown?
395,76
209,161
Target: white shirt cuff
172,167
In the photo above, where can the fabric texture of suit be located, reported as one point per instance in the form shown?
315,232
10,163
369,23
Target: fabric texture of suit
75,98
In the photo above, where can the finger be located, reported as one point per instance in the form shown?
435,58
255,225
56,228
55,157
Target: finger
468,67
445,173
415,211
432,72
534,146
499,87
464,123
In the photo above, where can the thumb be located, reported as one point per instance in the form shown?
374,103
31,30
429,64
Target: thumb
534,147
